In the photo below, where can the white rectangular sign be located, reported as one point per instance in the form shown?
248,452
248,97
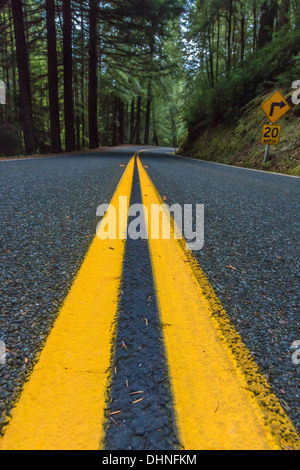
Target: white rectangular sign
2,92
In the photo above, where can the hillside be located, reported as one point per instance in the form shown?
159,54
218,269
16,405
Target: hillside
239,143
223,108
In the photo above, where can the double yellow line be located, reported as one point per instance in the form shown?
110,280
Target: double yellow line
221,400
62,406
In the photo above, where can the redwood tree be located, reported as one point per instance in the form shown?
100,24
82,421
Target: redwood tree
68,76
53,78
24,76
269,9
93,79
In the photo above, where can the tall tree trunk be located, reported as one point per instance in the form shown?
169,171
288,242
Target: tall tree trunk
218,47
148,114
131,138
233,41
13,66
211,54
138,121
83,126
155,137
24,77
284,12
77,112
68,76
243,43
115,122
269,9
121,122
93,80
6,66
107,120
53,78
174,128
229,52
254,28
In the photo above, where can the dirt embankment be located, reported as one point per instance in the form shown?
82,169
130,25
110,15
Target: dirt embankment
239,144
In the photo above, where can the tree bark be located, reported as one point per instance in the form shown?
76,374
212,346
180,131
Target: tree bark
83,100
267,23
254,28
284,12
93,80
131,138
68,77
13,66
243,42
121,122
53,78
115,122
107,120
24,77
229,52
174,128
148,114
211,54
6,66
138,121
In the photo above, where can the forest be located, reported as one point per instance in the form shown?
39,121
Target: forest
83,75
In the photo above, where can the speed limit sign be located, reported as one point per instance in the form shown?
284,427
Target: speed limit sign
271,135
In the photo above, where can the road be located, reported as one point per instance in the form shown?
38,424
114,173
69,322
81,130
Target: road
196,347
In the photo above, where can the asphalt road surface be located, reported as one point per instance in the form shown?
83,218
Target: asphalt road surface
250,260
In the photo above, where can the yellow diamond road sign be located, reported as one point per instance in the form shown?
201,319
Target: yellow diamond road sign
276,107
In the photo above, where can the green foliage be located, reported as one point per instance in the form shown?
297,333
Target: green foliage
277,64
137,42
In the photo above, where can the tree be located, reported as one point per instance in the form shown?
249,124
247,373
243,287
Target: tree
148,113
68,77
138,121
93,79
93,71
269,9
284,12
24,77
53,77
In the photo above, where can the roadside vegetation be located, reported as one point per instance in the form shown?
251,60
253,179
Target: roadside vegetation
180,73
80,75
239,143
246,51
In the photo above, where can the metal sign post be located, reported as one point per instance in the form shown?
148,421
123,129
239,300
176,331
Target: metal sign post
266,154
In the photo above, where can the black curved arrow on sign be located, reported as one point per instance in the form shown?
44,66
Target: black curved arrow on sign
275,105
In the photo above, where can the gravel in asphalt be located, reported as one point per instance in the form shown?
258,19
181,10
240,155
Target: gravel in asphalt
250,256
146,421
48,220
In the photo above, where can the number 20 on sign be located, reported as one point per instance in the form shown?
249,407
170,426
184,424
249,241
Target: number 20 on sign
271,135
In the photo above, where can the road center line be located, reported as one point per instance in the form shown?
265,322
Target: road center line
222,402
62,406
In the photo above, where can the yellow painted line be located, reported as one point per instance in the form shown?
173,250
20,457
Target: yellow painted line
221,400
62,406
